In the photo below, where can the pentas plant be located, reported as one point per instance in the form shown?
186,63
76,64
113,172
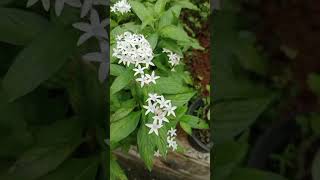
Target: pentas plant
150,86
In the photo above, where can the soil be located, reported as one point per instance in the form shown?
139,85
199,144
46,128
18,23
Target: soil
198,61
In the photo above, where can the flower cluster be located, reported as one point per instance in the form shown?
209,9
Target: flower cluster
161,108
174,59
171,139
172,143
121,6
95,28
135,49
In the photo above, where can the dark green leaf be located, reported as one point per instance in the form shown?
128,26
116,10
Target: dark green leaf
180,99
123,127
75,169
175,33
121,81
194,122
39,61
20,27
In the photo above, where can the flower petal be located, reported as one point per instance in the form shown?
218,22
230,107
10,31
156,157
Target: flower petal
84,38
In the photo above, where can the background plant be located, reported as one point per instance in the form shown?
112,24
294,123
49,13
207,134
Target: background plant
253,97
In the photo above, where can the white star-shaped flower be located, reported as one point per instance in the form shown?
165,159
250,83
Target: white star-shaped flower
143,80
139,70
45,3
148,62
172,143
94,29
87,5
157,153
160,118
60,4
152,78
150,108
101,57
154,127
170,109
172,132
163,102
153,97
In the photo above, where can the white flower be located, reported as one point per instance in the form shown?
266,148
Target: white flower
45,3
172,143
139,70
148,62
87,5
152,78
160,118
157,153
60,4
172,132
133,49
163,102
153,97
154,127
150,108
95,29
143,80
121,6
101,57
170,109
174,59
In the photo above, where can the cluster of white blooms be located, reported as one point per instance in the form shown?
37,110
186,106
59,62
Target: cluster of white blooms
174,59
172,143
171,139
121,6
135,49
161,108
95,28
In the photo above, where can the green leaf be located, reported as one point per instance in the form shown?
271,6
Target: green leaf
160,5
146,146
186,127
153,40
116,70
75,169
171,45
121,81
194,122
228,156
38,161
142,12
180,99
175,33
169,85
39,61
14,135
167,18
316,166
234,116
20,27
253,174
121,113
123,127
116,173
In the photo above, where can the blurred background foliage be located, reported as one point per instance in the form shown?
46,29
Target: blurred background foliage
53,108
265,90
